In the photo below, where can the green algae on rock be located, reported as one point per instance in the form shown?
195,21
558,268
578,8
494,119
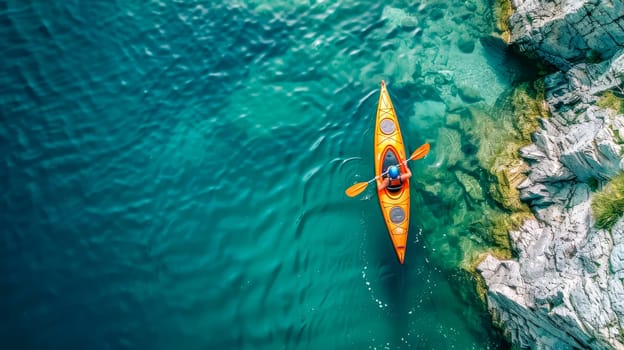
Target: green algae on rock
501,140
499,135
513,122
502,12
483,216
608,204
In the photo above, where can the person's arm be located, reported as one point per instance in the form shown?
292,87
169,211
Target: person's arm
407,174
382,183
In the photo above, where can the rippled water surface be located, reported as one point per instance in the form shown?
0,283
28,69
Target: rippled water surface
173,174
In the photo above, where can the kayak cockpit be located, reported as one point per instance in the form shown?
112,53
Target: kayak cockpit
390,158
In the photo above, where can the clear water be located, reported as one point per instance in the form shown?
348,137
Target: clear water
173,174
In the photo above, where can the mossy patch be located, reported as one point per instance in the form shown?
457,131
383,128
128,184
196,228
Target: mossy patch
502,12
495,225
505,189
527,103
503,223
608,204
611,101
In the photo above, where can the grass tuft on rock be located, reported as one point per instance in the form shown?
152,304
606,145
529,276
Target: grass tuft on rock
608,204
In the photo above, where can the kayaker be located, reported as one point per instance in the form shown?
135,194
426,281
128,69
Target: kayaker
394,179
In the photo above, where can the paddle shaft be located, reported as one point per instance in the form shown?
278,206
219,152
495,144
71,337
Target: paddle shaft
361,186
386,172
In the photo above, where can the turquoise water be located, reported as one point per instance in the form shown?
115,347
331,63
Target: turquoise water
174,174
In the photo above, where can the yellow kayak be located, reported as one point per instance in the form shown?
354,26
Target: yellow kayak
390,150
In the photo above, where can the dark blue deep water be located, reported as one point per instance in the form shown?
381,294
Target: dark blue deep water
172,174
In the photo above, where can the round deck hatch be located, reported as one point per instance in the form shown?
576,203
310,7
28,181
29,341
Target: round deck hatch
397,215
387,126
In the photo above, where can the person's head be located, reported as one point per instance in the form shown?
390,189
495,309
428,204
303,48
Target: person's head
393,171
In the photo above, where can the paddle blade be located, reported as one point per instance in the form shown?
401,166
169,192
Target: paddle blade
420,152
356,189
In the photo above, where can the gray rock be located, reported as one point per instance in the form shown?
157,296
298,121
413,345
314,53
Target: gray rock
565,288
565,32
551,170
592,151
617,261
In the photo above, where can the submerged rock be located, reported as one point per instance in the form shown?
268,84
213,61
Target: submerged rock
436,14
466,44
399,18
471,186
469,94
449,144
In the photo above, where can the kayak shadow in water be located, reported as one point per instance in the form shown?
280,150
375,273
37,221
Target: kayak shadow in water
407,290
394,280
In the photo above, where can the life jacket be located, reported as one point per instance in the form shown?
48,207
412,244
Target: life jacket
395,185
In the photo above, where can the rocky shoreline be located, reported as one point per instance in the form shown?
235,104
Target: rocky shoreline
564,288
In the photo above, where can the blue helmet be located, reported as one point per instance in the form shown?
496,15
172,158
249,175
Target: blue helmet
393,171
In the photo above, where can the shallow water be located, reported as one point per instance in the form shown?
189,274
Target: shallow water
174,174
